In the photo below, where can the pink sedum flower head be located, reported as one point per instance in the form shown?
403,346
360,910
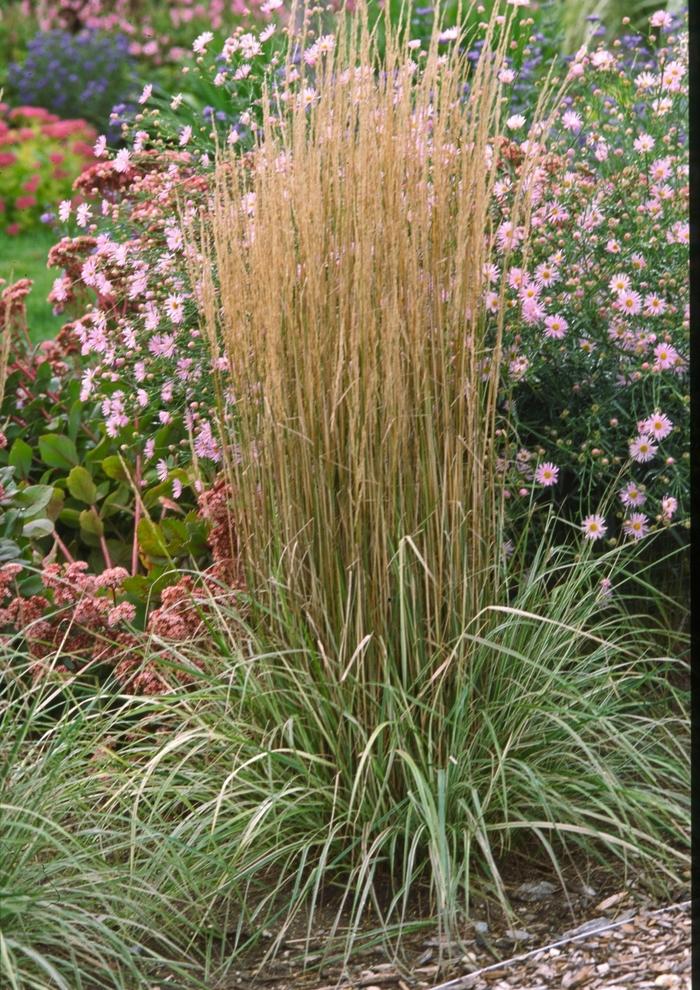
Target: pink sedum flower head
547,474
594,527
637,526
643,449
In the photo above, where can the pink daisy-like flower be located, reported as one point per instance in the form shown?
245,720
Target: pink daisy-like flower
605,587
100,146
654,305
572,121
629,302
644,143
619,283
555,327
668,506
594,527
632,495
666,356
658,426
200,43
547,474
121,162
546,275
642,449
660,169
637,525
174,306
530,290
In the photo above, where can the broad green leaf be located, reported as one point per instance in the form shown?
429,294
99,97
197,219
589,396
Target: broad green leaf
113,468
74,418
70,517
58,451
91,523
151,539
35,529
33,499
20,457
9,550
81,485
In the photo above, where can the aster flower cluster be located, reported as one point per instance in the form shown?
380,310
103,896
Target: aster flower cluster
74,75
162,31
126,281
596,298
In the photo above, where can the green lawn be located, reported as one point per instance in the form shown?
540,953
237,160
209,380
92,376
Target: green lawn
25,257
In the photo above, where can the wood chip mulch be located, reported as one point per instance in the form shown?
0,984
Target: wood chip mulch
650,949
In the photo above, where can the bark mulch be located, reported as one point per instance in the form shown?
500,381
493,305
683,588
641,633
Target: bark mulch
645,950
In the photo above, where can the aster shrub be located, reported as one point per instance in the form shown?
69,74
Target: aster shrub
82,74
40,158
158,33
596,298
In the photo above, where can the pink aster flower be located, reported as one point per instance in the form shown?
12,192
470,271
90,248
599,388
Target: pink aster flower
661,19
546,275
532,312
629,302
174,306
199,45
605,587
555,327
654,305
620,282
547,474
666,357
658,426
121,162
644,143
668,506
632,495
637,525
594,527
100,146
572,121
642,449
82,215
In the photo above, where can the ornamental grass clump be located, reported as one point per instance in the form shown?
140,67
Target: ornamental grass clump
349,258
